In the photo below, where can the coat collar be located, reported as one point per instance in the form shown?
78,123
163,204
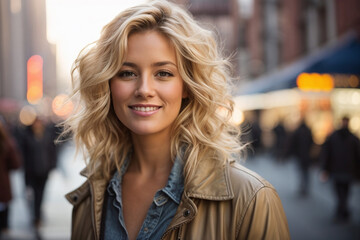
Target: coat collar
85,172
210,182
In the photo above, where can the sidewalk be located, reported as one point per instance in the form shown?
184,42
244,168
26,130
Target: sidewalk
309,217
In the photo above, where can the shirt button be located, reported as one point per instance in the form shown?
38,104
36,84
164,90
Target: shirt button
74,198
186,213
146,229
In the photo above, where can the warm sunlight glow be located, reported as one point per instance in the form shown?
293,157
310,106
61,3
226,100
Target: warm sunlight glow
71,25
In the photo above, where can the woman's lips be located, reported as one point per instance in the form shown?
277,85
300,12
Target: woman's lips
144,110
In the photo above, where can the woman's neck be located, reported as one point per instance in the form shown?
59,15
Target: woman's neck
151,155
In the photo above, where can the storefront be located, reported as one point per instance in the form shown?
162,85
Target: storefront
320,89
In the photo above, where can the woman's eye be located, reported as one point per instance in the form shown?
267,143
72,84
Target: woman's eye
126,74
165,74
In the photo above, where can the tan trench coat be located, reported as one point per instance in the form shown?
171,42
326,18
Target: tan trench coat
220,203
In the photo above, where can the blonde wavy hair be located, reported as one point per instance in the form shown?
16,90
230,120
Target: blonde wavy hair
202,130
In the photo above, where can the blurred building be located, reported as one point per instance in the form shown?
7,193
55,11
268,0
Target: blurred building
22,35
279,32
267,35
301,59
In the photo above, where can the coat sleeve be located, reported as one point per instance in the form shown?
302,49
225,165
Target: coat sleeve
265,217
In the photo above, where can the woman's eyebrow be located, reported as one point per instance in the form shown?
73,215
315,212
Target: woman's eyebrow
159,64
129,64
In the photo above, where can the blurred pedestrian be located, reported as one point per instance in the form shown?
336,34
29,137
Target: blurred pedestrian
39,159
9,160
279,147
255,134
300,146
340,158
162,158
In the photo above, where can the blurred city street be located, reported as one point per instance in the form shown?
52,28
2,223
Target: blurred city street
309,217
56,210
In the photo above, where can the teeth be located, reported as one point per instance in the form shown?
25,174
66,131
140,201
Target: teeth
145,109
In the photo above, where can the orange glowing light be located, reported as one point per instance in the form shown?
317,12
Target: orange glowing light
315,82
34,79
62,106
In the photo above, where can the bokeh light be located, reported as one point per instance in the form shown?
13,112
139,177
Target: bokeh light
62,106
27,115
237,117
34,79
354,124
315,82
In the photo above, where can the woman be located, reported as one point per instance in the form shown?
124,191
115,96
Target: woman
154,121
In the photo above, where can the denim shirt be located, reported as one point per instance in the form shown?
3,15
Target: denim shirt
160,213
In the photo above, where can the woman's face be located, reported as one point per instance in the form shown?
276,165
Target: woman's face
148,90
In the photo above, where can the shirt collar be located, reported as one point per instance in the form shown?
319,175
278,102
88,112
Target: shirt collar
117,178
175,184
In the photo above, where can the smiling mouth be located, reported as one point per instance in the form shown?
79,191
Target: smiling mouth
145,109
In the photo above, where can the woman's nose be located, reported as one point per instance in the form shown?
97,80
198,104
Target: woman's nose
145,87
